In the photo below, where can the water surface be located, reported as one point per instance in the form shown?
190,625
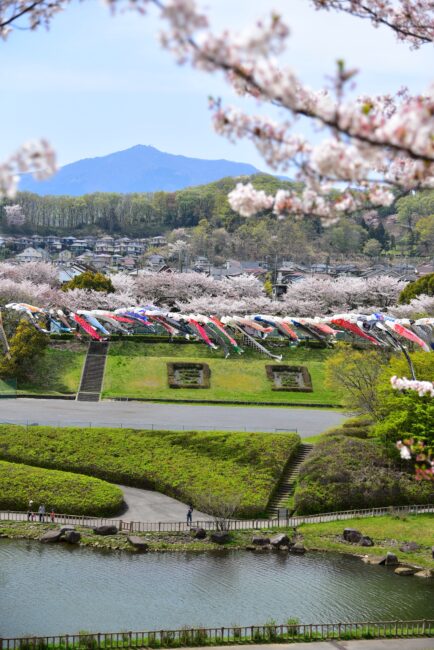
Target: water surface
55,589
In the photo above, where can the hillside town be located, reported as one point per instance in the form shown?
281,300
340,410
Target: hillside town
123,254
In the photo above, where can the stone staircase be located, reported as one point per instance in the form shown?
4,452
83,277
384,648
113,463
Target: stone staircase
287,483
93,372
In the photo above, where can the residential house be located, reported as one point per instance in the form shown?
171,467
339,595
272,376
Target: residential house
155,262
32,255
157,241
104,246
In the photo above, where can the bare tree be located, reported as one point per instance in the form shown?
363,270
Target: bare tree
222,507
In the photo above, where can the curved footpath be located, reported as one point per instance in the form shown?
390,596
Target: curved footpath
146,505
306,421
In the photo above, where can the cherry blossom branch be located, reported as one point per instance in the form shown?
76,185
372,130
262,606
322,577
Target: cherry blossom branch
374,141
411,21
36,157
38,12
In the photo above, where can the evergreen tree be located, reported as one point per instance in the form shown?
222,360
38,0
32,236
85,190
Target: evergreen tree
27,347
91,281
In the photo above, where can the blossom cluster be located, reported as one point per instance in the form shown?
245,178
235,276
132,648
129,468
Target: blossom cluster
37,12
411,21
422,388
35,157
14,215
37,282
418,451
372,144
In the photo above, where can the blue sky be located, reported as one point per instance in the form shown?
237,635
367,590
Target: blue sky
94,84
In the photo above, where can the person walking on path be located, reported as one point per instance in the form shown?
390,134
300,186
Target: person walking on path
41,512
189,515
30,511
52,516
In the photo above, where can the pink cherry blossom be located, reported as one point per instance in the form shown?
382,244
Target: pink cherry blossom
423,388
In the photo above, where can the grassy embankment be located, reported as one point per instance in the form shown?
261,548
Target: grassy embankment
58,373
63,492
388,533
139,370
346,473
186,465
347,470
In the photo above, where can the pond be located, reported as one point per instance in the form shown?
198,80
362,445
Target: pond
54,589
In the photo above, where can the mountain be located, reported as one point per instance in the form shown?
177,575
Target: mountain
138,169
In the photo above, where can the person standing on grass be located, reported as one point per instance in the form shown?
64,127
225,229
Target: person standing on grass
189,515
52,516
41,512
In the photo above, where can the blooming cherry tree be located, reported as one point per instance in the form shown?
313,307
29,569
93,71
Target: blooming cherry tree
14,215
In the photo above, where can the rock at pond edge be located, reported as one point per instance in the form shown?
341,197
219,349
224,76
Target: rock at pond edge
408,547
71,537
297,548
260,540
425,573
51,536
220,536
351,535
138,542
279,540
405,571
390,560
105,530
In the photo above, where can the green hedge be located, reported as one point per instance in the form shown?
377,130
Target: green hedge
185,464
62,491
348,473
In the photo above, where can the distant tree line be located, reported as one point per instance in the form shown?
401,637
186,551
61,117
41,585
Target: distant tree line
202,218
137,215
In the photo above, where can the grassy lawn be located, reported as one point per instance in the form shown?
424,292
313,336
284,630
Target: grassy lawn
388,533
62,491
238,467
139,370
58,373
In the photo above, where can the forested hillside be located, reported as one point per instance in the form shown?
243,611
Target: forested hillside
135,214
200,221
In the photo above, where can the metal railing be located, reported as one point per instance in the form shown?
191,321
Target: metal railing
146,426
210,524
185,637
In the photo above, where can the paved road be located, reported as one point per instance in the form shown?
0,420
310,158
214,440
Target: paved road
146,505
378,644
308,422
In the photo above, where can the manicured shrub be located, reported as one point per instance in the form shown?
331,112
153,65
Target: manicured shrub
183,464
345,473
62,491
